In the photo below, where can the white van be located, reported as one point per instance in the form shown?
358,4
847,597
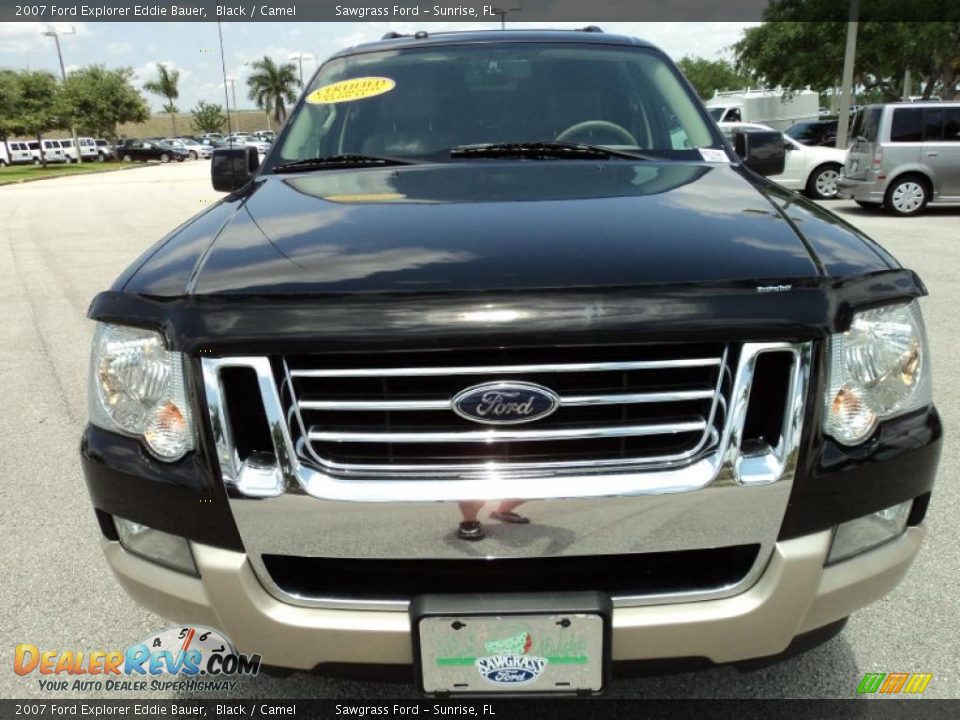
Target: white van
15,152
51,150
88,149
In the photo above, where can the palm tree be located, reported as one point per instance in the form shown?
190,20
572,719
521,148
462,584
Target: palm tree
273,86
166,86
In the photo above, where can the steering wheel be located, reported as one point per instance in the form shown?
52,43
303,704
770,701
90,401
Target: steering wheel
603,125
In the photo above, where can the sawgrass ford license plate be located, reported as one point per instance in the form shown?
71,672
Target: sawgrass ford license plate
476,645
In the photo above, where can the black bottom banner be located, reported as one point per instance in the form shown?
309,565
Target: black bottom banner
492,708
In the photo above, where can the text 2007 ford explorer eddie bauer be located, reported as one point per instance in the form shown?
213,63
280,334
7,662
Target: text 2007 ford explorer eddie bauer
504,365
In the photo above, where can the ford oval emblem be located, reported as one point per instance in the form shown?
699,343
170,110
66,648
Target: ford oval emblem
505,403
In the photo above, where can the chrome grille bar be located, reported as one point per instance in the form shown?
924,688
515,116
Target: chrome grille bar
507,369
632,419
576,401
429,436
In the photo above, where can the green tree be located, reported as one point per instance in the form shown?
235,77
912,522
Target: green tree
166,85
10,93
273,86
789,50
709,75
40,108
209,117
98,99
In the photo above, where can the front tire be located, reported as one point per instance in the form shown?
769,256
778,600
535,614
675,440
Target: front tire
193,155
907,196
822,183
127,158
164,158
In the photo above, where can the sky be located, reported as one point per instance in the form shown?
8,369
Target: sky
193,48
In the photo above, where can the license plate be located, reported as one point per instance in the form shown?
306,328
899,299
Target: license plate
512,653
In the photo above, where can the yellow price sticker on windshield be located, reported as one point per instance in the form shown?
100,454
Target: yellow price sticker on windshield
347,90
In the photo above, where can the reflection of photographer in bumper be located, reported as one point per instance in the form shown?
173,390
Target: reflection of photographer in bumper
471,528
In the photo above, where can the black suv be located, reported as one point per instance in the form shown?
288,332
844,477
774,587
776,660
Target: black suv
503,366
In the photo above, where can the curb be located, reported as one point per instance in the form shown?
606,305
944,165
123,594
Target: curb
21,181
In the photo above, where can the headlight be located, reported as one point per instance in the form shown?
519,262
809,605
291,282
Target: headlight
878,369
137,388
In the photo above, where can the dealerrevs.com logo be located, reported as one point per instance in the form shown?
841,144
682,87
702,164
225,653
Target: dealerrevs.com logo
178,658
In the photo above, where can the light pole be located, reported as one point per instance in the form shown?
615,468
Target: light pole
233,94
843,123
223,66
502,12
300,57
51,31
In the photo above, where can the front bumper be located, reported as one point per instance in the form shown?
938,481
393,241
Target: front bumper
795,594
792,592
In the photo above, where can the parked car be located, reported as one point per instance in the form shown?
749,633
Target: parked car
811,170
821,132
191,147
236,138
18,153
904,156
488,267
52,151
143,150
88,149
267,135
213,142
105,151
242,139
262,146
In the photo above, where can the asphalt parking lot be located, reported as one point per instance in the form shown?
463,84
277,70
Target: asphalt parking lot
63,240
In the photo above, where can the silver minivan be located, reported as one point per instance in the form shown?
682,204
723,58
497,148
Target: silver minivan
903,156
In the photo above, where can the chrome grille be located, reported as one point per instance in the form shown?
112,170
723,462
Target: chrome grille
619,406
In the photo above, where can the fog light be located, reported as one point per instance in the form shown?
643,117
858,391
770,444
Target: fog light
856,536
260,476
155,545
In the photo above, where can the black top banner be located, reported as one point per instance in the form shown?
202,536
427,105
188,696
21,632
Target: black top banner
514,11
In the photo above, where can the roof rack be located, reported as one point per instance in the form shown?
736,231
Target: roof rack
592,28
392,35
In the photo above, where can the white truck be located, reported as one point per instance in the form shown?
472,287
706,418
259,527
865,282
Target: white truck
777,108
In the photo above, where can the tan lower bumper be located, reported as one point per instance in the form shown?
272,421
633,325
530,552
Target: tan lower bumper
795,594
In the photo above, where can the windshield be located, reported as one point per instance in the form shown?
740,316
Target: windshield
423,102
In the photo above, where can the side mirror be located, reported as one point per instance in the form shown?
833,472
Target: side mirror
233,167
762,152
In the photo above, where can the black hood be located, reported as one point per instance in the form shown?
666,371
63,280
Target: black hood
501,226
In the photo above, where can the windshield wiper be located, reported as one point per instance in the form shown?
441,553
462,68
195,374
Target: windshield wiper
334,162
546,149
